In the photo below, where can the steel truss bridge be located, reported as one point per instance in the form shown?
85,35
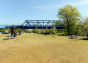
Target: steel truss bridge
40,24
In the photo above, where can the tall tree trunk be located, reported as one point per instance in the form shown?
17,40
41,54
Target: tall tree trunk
68,28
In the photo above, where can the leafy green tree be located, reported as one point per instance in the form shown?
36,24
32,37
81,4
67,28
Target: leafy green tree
8,29
58,23
70,17
79,29
3,30
54,30
47,30
85,27
19,29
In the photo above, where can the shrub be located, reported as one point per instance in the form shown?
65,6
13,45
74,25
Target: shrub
54,30
35,30
47,31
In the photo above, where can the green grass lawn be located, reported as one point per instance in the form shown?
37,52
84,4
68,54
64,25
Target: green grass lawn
38,48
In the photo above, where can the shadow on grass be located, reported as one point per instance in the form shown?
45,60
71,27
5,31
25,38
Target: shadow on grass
45,33
7,38
84,39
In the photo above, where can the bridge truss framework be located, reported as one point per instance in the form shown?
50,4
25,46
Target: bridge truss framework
32,24
39,23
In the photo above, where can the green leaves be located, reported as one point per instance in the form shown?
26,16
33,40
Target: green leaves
70,17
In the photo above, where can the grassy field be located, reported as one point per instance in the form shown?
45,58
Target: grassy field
37,48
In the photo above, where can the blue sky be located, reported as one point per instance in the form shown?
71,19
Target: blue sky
17,11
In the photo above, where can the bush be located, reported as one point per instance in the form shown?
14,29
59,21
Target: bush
3,30
22,30
30,31
35,30
47,31
54,30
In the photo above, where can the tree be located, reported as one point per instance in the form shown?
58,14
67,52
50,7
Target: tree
58,23
79,29
53,30
70,17
47,30
3,30
85,27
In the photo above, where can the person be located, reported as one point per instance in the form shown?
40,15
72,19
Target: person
15,33
12,32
